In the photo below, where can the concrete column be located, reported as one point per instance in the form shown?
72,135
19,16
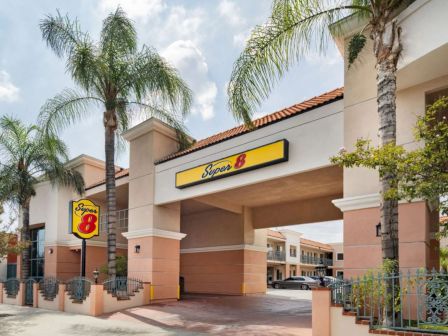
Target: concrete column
418,246
35,295
321,303
61,297
154,231
97,302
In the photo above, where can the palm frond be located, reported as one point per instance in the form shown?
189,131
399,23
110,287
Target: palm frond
118,35
64,109
152,76
61,34
153,111
83,65
289,34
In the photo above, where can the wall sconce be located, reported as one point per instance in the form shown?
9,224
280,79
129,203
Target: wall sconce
378,230
50,251
137,248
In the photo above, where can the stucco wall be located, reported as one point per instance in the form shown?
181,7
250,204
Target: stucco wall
324,123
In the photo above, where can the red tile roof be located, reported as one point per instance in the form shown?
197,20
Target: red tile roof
275,234
315,244
269,119
121,173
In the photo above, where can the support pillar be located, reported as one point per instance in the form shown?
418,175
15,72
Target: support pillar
153,231
418,246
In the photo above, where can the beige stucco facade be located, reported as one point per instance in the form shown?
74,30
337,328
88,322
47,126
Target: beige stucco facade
211,237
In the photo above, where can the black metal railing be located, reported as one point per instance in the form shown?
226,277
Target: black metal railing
310,260
276,255
78,288
12,286
49,287
122,287
415,302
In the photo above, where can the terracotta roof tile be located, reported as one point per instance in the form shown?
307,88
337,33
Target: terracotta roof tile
275,234
315,244
296,109
121,173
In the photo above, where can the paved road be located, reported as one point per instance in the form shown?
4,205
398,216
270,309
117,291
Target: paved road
270,315
292,294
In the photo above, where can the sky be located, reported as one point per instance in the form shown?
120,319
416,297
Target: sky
202,39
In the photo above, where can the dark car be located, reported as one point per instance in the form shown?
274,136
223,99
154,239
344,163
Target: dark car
296,282
328,280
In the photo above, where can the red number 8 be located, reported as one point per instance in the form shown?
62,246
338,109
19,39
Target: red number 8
240,161
87,224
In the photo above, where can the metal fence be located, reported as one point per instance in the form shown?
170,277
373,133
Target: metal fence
276,255
12,286
49,287
122,220
78,288
305,259
122,287
412,302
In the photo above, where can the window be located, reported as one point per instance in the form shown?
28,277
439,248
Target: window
340,256
340,274
292,251
432,97
37,252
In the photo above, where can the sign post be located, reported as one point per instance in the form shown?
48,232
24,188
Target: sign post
84,224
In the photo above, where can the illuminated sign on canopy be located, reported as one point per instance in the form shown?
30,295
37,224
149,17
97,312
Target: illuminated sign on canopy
259,157
84,218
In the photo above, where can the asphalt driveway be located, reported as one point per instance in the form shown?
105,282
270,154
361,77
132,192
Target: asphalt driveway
271,314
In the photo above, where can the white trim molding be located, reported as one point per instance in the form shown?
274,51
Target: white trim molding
224,248
362,202
77,243
153,232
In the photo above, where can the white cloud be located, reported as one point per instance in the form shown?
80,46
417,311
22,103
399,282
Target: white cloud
183,24
136,9
231,12
8,91
191,63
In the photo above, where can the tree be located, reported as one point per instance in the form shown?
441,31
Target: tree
122,80
8,239
295,28
28,156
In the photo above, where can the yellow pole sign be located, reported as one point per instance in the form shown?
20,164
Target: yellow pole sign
84,218
259,157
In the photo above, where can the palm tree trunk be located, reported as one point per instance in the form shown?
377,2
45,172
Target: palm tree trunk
386,82
110,127
387,49
25,237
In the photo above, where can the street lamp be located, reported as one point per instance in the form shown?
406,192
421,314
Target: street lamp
321,271
96,273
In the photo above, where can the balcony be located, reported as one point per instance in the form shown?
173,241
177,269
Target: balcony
122,220
276,256
304,259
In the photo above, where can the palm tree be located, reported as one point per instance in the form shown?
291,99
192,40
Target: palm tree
121,79
294,29
28,156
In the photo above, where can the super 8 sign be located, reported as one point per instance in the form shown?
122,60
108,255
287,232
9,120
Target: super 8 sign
255,158
84,219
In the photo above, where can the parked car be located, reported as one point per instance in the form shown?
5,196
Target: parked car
328,280
296,282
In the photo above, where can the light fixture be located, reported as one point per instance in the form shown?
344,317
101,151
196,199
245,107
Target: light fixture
378,230
137,248
96,273
50,250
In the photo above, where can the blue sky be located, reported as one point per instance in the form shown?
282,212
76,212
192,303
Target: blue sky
201,38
